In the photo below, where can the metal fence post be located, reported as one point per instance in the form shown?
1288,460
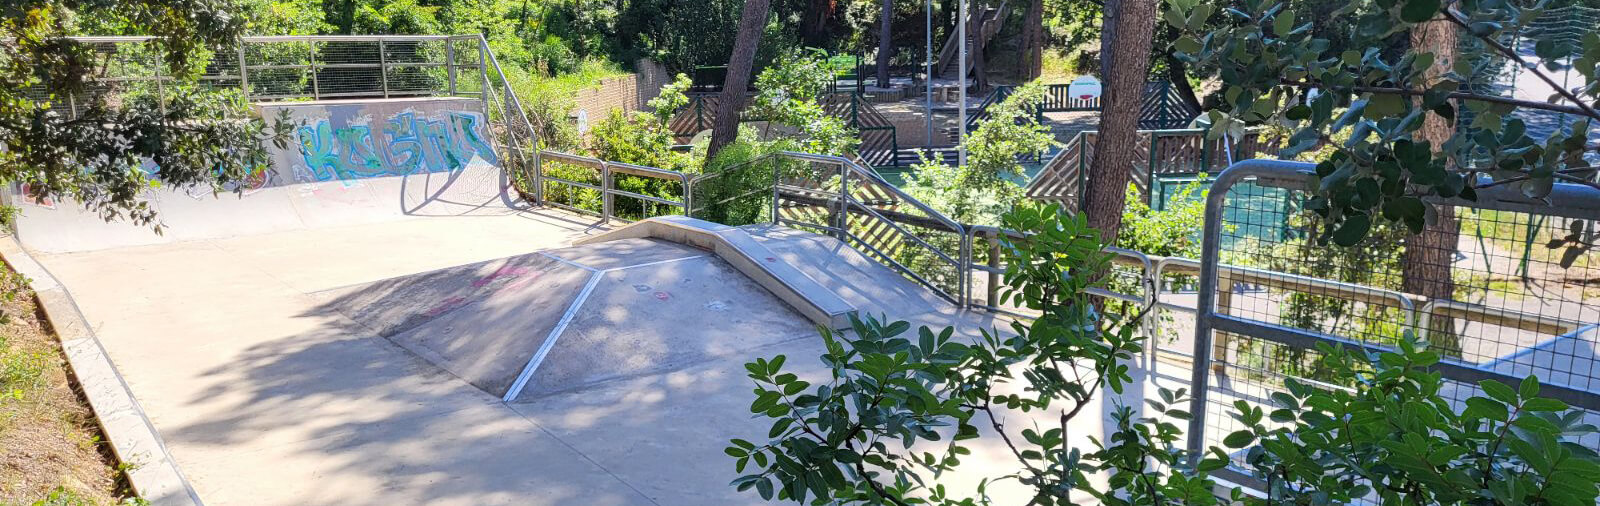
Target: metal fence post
316,93
538,175
775,182
994,277
844,202
483,76
605,193
244,74
383,68
450,64
1210,253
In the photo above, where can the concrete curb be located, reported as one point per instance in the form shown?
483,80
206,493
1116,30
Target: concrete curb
816,302
153,474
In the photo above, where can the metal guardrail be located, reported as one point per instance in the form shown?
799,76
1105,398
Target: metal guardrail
1213,320
1151,270
606,187
318,67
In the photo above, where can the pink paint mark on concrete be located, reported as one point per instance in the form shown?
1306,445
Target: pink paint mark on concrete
663,296
771,259
445,306
509,271
515,285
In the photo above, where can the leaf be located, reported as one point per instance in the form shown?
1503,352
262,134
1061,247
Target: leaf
1385,105
1239,439
1353,230
1544,404
1498,391
1187,44
1529,387
1417,11
1284,23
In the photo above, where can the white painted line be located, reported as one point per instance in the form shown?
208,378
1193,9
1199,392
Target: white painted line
658,262
569,262
550,341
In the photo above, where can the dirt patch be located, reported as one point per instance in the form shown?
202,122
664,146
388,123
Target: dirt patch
51,448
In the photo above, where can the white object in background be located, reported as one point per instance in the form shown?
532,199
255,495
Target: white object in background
1084,88
583,121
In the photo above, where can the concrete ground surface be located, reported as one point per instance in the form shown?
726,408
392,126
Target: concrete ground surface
263,398
278,371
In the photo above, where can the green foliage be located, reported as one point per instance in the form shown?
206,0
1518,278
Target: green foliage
670,99
108,154
1174,231
788,94
1280,69
1395,436
738,186
898,407
979,192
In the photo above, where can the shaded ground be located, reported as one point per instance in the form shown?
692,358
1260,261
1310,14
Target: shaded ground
49,441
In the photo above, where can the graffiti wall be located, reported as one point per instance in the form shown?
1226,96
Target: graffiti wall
347,142
346,162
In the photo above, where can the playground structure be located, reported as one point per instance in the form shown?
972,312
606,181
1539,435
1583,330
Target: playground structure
395,319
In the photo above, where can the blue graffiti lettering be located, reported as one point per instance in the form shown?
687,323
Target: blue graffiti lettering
406,144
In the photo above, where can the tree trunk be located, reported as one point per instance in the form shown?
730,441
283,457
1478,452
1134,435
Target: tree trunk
347,17
1125,62
1178,73
884,43
725,126
1425,267
980,79
1033,41
814,23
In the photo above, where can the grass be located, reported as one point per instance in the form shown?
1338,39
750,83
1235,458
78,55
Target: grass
51,449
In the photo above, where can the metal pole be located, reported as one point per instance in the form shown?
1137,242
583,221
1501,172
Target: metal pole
244,77
605,193
450,64
483,79
961,76
928,74
315,89
383,69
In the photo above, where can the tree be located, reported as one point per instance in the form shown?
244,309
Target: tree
885,43
68,136
726,125
1425,268
1124,62
1033,41
1280,71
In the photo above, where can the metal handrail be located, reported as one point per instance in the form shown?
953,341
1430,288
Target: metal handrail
607,187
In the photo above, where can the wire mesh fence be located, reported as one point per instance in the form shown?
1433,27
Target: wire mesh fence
1491,286
289,68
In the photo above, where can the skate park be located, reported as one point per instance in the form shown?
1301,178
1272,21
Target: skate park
383,316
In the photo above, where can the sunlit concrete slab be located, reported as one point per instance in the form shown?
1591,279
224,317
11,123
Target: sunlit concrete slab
265,396
663,316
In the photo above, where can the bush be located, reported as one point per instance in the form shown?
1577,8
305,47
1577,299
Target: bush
898,409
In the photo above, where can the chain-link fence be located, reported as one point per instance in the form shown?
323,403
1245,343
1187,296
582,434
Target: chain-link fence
1496,287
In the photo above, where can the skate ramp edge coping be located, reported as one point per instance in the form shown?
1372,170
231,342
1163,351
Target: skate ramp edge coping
750,258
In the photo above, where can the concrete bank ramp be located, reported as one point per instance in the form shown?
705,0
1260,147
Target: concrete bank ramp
650,298
559,320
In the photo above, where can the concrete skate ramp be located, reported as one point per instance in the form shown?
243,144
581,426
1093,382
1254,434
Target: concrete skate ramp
348,162
559,320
